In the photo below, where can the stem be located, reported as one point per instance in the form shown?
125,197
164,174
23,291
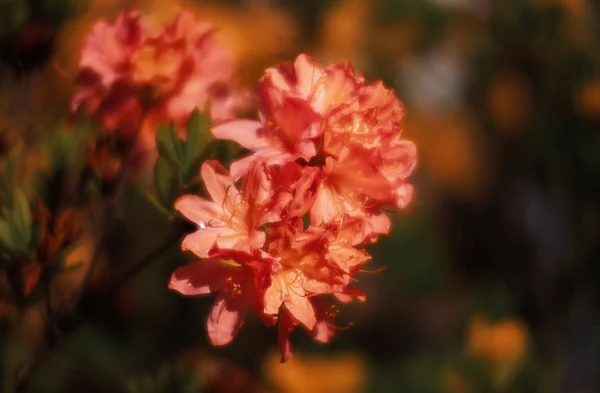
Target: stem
52,330
95,256
106,220
143,263
138,267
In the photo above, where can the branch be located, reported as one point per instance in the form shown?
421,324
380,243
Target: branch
143,263
128,275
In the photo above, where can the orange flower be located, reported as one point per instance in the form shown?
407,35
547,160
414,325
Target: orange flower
454,382
343,373
587,99
509,101
499,344
329,118
240,286
327,147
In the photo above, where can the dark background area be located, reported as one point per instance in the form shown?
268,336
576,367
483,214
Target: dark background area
491,273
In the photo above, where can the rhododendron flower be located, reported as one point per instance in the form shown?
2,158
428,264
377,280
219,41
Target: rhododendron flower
227,221
294,187
294,101
370,118
329,117
353,189
132,78
324,328
302,265
240,286
284,138
327,156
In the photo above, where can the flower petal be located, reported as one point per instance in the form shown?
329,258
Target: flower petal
355,175
300,308
198,210
218,182
350,294
200,242
322,332
270,155
226,318
379,223
297,122
308,74
203,240
274,296
326,207
244,132
199,278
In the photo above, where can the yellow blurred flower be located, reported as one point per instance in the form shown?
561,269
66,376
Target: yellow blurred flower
573,7
396,41
509,101
449,150
502,346
587,99
454,382
344,31
343,373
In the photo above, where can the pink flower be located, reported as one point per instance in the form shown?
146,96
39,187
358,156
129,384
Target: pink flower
356,190
284,283
293,101
370,117
325,326
285,137
302,271
227,221
322,88
327,147
131,78
240,284
109,48
296,188
328,117
371,121
312,263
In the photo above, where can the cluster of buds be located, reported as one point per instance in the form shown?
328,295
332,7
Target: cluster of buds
287,240
133,78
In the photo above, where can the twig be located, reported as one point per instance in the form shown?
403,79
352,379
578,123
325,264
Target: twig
143,263
106,219
52,330
94,259
135,269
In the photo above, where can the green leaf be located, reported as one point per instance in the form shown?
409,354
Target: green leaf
198,138
168,182
159,205
168,144
22,219
6,235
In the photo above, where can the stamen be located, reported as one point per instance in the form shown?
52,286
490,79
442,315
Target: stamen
373,271
340,328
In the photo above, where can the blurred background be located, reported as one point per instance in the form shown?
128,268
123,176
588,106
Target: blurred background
491,279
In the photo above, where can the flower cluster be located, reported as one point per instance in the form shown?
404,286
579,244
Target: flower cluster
326,158
132,78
